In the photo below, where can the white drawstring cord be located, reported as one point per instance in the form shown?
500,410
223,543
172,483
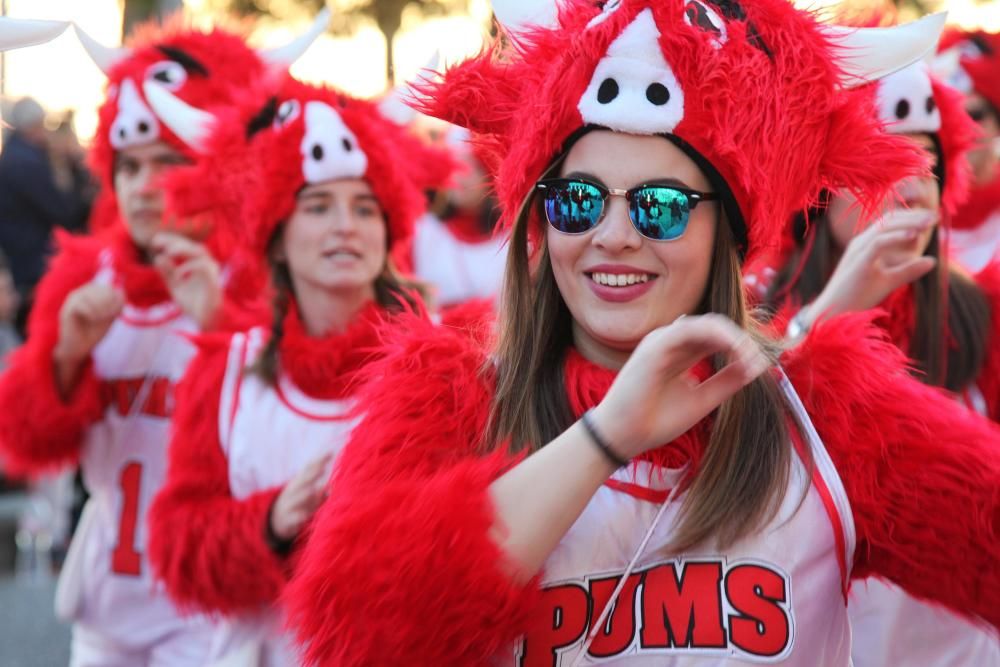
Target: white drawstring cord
628,571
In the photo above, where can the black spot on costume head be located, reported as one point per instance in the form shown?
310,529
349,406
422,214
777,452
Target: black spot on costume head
191,64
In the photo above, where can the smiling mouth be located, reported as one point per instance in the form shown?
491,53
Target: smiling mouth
620,279
341,254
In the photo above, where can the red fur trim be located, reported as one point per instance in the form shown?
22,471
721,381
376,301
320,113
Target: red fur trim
430,580
207,547
958,136
38,430
328,367
232,65
982,203
776,125
921,472
988,381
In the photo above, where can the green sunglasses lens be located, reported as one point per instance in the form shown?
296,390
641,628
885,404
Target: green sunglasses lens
660,213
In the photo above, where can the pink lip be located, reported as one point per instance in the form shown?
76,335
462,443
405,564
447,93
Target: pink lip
619,294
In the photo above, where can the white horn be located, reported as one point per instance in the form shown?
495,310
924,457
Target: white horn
15,33
284,56
868,54
105,57
516,15
191,125
395,105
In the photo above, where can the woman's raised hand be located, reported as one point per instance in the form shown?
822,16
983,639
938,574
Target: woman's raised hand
655,398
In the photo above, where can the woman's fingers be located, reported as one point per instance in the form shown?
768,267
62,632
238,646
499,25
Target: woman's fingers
907,272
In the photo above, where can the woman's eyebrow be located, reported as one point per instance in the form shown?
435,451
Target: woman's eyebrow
314,194
674,182
585,176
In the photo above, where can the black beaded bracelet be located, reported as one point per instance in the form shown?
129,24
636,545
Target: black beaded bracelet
602,444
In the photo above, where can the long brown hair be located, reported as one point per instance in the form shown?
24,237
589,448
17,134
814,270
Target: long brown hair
745,468
393,292
947,351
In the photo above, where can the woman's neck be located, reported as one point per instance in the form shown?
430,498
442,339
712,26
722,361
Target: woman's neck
596,352
326,312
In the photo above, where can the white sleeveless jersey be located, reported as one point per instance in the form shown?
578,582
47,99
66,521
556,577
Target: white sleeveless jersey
108,584
893,628
268,435
776,597
458,270
975,248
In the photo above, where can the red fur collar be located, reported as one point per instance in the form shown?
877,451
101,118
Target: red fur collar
327,367
982,203
467,229
586,385
142,283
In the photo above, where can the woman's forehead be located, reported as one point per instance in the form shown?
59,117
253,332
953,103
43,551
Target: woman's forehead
623,160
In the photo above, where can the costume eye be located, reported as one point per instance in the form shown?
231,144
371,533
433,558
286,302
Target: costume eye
171,75
609,8
706,19
287,112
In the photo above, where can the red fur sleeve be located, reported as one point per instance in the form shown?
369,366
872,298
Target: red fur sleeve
206,546
989,377
38,429
400,567
922,473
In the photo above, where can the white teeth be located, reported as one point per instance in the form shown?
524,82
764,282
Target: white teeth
619,279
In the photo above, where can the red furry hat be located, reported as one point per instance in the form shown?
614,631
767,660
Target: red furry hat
200,70
756,92
283,137
912,101
970,62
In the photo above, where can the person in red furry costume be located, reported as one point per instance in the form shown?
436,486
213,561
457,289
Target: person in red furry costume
330,187
939,315
970,62
108,339
513,501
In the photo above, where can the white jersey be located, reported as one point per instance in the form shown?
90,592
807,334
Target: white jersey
975,248
893,628
459,271
107,583
268,435
777,596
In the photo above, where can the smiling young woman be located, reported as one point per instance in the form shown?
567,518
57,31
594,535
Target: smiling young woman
623,475
262,414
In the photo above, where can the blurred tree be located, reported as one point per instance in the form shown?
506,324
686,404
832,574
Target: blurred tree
348,15
138,11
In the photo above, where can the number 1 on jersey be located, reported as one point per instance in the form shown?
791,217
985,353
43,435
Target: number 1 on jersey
125,559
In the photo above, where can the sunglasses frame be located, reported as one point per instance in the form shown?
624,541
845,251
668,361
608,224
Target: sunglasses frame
695,197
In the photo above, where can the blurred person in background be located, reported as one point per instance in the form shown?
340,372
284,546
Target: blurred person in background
32,203
69,169
9,301
454,248
110,335
970,62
